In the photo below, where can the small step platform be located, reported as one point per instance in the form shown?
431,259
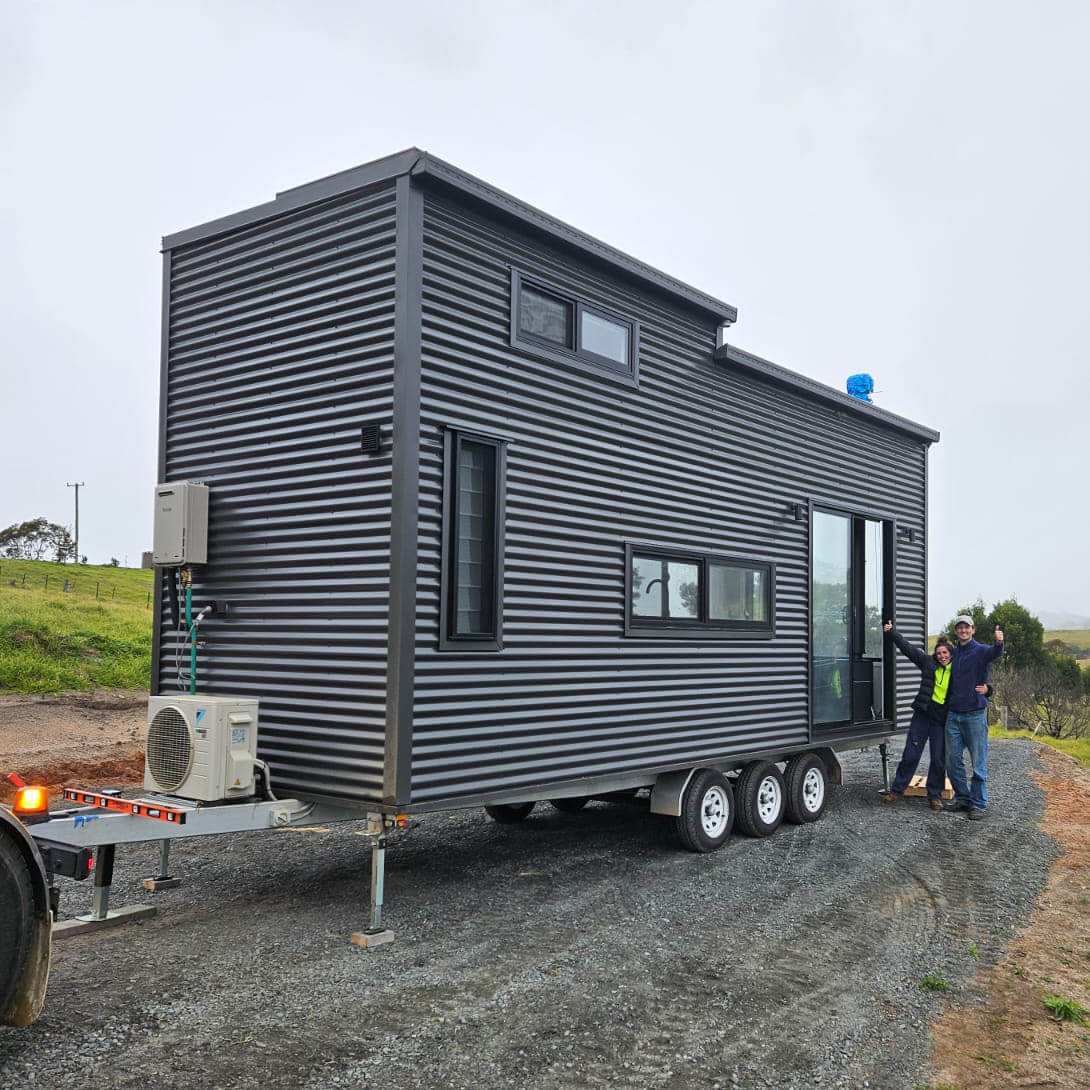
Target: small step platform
917,788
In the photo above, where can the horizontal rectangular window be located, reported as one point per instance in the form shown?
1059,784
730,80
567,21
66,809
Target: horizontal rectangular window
556,323
693,593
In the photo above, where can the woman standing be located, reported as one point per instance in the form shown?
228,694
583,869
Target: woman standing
928,724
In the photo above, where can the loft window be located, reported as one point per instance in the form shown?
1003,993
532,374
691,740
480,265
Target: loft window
681,593
471,612
557,324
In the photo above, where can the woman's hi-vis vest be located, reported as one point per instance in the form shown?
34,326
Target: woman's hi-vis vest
942,683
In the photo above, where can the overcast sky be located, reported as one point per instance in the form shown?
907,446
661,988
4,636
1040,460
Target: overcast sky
902,189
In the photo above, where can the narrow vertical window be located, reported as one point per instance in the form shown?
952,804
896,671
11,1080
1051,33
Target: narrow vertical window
473,546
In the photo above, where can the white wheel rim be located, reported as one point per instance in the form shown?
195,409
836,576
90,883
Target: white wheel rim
813,791
769,799
714,811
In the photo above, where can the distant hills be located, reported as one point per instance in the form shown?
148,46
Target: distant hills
1062,621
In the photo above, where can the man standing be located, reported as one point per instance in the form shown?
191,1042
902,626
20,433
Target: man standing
967,720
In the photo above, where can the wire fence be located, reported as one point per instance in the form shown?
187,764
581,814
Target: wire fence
70,580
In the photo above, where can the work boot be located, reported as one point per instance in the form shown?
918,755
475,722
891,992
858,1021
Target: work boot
891,796
935,804
957,807
976,815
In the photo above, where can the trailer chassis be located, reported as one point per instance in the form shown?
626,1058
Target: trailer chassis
105,819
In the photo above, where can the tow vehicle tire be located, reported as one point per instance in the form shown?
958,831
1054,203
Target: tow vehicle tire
760,793
807,788
570,805
707,811
16,918
509,813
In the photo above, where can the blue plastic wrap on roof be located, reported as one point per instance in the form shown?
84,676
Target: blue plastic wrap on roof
860,386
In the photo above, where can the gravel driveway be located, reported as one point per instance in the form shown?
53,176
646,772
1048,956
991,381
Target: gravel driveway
574,950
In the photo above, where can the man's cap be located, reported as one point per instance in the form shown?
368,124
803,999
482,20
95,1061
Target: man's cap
964,619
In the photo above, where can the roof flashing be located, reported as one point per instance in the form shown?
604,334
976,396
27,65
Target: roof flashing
815,390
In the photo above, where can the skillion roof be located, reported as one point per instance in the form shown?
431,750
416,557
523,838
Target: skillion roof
432,171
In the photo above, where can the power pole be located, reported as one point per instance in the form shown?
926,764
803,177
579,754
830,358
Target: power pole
77,486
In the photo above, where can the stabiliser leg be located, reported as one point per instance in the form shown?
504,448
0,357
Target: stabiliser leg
163,879
100,915
376,934
883,748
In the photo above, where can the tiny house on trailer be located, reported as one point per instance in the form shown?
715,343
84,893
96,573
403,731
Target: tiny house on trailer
497,514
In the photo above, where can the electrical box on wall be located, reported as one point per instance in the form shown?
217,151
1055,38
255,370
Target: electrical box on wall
181,524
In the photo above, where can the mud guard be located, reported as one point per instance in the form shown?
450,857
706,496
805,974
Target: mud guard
29,996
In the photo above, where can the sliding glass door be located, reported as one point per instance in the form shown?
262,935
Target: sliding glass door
850,581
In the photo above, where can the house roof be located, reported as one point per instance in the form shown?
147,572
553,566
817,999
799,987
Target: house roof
431,170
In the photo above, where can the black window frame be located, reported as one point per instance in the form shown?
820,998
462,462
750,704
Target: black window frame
700,627
449,638
574,353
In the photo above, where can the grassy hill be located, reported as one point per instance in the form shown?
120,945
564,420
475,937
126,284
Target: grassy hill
69,627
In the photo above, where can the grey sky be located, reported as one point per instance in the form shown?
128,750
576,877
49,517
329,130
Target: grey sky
899,189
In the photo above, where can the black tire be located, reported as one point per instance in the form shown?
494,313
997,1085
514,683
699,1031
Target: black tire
807,785
16,918
760,794
707,811
509,813
570,805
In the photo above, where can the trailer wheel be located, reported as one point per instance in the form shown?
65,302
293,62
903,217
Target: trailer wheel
760,793
16,919
807,788
509,813
570,805
707,811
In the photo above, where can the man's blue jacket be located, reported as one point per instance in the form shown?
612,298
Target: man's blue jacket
971,663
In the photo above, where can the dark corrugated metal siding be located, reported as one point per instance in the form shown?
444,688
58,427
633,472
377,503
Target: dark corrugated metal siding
698,456
280,347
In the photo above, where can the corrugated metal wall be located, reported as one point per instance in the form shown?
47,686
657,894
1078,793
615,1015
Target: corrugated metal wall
699,456
280,346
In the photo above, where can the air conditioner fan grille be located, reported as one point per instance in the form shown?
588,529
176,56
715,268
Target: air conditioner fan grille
170,750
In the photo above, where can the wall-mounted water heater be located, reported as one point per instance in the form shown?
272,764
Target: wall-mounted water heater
181,524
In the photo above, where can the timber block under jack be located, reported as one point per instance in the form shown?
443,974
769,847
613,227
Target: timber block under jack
156,884
114,918
371,938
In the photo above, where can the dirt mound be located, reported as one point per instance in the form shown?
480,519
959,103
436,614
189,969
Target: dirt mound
127,771
90,740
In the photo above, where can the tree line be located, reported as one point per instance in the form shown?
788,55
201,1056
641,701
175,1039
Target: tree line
40,539
1042,685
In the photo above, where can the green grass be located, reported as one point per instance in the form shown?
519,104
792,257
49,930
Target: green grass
1079,748
934,983
52,640
1065,1010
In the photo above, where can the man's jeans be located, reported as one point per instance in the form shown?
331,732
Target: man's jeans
968,730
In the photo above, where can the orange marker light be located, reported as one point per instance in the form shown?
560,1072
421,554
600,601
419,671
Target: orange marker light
31,804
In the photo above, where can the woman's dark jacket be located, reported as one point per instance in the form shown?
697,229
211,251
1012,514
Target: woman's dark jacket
928,664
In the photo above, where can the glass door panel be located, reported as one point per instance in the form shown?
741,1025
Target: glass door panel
873,582
832,618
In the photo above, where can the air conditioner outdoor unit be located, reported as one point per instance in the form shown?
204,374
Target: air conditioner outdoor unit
201,747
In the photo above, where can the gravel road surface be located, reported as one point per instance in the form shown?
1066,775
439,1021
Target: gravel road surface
574,950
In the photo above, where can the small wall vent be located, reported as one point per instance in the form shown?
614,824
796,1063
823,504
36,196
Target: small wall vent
371,438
